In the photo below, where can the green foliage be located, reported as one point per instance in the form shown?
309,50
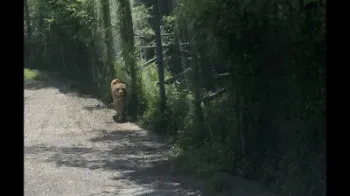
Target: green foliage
168,24
151,116
122,73
178,102
34,74
141,16
69,18
272,50
269,125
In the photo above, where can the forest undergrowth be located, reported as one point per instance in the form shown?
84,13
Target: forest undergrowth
244,80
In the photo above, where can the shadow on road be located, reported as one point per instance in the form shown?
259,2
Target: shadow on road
35,85
64,86
139,156
95,107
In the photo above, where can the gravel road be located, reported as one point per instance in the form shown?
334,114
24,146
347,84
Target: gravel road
73,147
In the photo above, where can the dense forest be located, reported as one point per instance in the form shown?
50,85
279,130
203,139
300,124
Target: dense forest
238,85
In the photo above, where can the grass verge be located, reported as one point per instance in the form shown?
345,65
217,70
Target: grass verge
34,74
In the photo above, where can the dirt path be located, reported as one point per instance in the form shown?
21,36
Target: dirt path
74,148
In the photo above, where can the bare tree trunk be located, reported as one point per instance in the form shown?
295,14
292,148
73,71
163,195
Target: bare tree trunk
160,62
62,56
29,33
127,36
108,39
178,59
26,11
196,86
241,129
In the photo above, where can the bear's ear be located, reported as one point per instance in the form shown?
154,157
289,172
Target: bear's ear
116,81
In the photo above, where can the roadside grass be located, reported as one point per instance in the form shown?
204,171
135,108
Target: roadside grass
34,74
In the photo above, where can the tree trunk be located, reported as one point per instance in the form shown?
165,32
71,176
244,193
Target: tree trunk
196,86
108,39
159,50
29,33
62,56
26,10
127,36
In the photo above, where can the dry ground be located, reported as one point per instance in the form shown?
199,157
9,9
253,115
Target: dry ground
73,147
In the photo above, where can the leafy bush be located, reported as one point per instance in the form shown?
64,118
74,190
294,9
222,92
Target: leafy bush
34,74
178,101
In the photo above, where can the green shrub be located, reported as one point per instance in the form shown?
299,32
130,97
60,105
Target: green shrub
34,74
178,102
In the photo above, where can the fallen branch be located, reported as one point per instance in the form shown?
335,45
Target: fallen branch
154,59
220,75
183,52
148,62
179,75
210,97
145,47
144,38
